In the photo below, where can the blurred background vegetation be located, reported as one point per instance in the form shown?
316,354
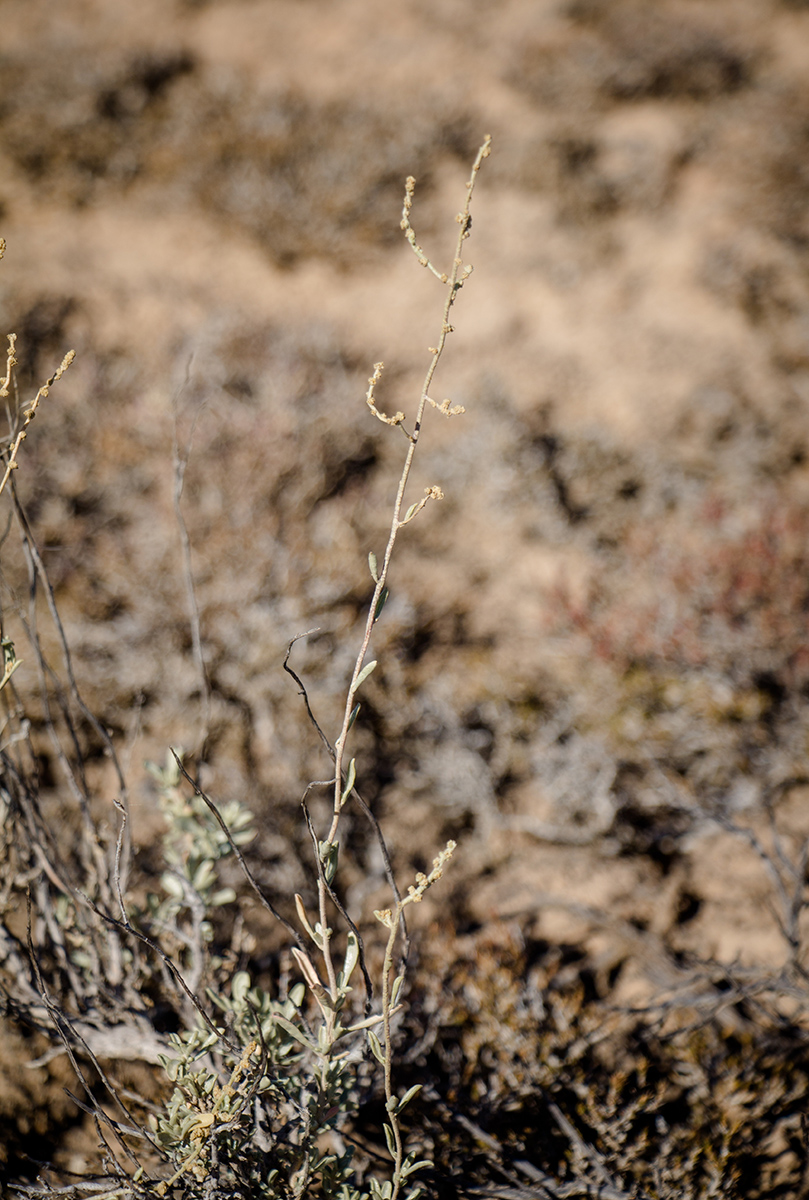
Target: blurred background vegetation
593,665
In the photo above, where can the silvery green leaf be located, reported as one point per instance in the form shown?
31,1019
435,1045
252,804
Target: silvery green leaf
376,1049
294,1032
373,566
353,716
351,958
390,1139
204,876
172,885
350,778
304,918
408,1096
364,673
410,511
396,989
190,1122
410,1168
329,855
240,986
220,1001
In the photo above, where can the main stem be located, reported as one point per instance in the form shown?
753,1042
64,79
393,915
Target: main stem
454,282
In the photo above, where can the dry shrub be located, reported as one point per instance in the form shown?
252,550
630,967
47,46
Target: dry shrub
538,1080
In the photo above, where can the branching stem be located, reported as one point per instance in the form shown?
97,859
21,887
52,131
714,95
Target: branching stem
454,282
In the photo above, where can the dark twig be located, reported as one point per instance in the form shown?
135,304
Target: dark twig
249,876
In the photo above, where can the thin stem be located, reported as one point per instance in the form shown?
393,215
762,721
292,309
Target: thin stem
455,282
393,1118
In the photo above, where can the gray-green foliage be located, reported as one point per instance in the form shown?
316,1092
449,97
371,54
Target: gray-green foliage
259,1100
194,843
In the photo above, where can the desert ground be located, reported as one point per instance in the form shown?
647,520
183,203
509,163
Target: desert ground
594,662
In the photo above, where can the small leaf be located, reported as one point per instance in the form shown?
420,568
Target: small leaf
172,885
410,512
380,604
396,989
294,1032
390,1139
307,968
305,922
329,856
373,566
411,1168
204,876
351,958
408,1096
350,778
240,987
376,1049
363,675
219,1000
353,716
